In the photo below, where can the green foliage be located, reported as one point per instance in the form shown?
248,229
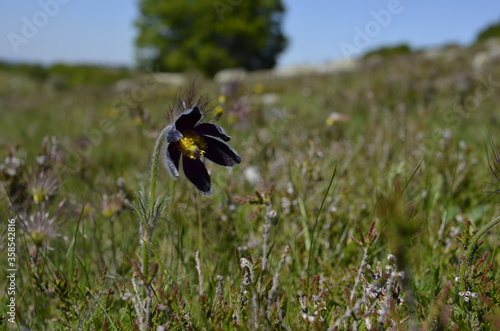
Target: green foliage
381,246
492,31
35,71
64,75
389,51
80,75
209,35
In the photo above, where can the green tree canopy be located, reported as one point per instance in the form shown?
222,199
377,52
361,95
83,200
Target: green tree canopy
209,35
492,31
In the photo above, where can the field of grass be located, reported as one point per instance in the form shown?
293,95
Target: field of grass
355,206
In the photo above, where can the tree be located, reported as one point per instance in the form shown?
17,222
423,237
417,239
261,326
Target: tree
492,31
209,35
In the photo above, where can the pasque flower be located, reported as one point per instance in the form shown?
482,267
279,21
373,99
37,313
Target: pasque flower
190,140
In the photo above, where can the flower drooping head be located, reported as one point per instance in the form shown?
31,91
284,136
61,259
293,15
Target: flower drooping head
189,140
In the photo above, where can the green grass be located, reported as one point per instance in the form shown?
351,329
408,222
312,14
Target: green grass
411,160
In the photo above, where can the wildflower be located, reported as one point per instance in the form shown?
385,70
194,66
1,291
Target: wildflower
258,88
10,166
114,204
190,140
39,226
43,185
218,112
336,117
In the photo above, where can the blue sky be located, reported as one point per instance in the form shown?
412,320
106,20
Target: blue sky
102,32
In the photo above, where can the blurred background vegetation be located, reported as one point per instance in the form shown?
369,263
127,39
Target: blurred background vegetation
209,40
405,132
74,75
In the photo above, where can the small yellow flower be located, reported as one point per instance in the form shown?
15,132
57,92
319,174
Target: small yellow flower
137,121
258,88
112,113
108,213
222,98
232,119
39,195
112,205
218,112
38,237
336,117
43,186
39,226
330,121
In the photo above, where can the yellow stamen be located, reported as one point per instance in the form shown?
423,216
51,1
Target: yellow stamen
39,195
192,145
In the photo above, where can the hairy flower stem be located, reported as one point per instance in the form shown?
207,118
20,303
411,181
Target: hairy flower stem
472,245
147,228
154,167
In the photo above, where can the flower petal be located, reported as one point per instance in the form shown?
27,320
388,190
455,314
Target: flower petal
188,119
213,130
220,152
196,172
172,158
174,135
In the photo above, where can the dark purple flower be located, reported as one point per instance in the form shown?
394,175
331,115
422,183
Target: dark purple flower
189,140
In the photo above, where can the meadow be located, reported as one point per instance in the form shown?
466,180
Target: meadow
365,200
